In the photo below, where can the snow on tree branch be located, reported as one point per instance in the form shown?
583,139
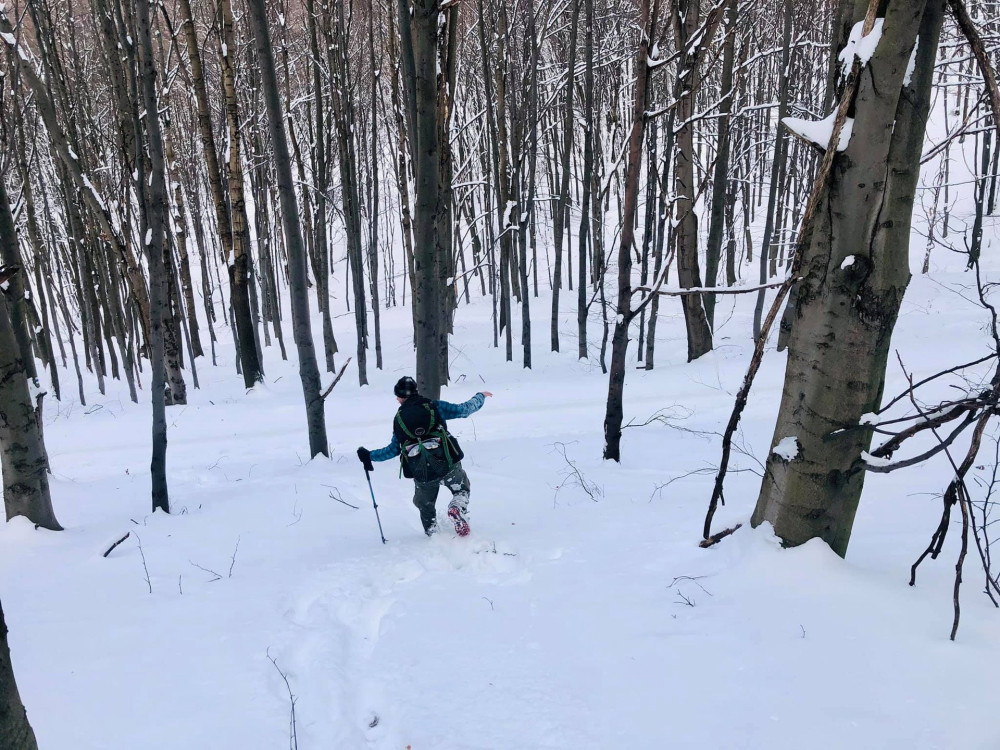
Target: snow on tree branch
819,132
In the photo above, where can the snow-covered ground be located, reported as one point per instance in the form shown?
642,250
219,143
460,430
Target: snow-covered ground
562,622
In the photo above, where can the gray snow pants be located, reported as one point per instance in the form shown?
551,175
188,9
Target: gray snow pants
425,495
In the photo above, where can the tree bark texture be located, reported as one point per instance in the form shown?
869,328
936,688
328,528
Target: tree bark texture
239,263
845,311
686,25
15,731
22,451
619,342
560,221
720,183
10,254
156,222
294,247
419,51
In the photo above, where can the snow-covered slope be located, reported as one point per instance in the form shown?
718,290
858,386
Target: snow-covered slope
561,622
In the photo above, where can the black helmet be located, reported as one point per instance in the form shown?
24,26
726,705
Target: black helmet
405,387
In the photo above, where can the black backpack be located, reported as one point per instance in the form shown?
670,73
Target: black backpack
427,450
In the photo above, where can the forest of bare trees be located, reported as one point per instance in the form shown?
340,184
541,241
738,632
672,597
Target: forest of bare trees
177,172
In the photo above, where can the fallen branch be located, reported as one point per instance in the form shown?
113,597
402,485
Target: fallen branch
109,549
341,500
593,490
207,570
336,379
718,537
232,560
293,736
711,289
144,568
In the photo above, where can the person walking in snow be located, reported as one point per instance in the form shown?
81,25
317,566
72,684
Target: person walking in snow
429,454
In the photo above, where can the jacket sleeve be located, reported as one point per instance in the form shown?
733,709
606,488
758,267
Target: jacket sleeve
458,411
390,451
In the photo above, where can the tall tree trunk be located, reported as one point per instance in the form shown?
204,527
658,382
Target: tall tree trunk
526,192
374,192
561,219
619,342
183,258
720,183
322,179
22,450
344,117
301,328
582,308
845,311
777,166
419,52
444,231
155,220
10,255
686,25
15,731
239,264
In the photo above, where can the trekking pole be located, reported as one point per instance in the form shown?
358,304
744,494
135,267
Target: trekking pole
369,478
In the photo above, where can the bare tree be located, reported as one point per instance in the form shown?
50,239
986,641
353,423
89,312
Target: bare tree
301,328
854,273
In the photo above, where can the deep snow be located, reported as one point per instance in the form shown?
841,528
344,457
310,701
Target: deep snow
561,622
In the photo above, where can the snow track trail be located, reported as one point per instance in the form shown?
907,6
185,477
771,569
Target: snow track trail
579,614
336,621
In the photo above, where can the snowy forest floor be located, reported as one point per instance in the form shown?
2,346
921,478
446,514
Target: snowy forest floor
562,622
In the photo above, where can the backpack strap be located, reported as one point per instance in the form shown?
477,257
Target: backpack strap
402,425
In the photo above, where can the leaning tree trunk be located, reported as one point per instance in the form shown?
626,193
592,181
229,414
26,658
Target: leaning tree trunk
854,271
294,247
15,731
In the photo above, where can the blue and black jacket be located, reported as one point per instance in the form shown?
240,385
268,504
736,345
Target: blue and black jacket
443,411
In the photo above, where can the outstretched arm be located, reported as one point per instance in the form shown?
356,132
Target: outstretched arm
458,411
390,451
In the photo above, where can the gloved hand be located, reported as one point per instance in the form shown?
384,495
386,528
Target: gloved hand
365,456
